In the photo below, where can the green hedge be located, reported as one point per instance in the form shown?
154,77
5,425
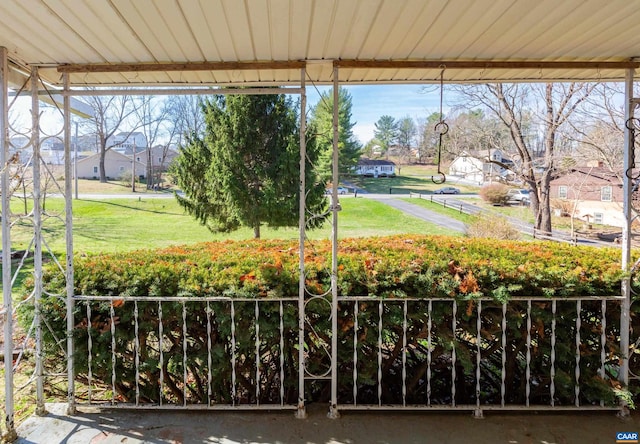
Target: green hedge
390,268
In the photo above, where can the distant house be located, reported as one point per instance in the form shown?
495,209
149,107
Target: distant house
159,157
481,167
116,165
124,141
596,191
375,168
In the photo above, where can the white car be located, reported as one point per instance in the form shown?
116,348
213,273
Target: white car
341,190
519,195
447,190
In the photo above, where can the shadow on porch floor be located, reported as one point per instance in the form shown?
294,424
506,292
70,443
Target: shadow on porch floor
134,427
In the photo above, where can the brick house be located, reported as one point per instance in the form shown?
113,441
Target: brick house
597,192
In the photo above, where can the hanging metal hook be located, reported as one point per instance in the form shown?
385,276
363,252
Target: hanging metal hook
441,128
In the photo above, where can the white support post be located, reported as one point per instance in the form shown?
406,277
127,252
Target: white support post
7,304
301,411
626,236
37,234
68,211
335,207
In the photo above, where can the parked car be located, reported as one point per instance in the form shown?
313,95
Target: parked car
447,190
519,195
341,190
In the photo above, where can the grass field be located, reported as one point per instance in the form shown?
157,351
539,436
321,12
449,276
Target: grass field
121,224
439,208
412,178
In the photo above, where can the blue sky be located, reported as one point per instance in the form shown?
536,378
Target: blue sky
369,103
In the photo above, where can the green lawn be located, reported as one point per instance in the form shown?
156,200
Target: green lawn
411,178
128,224
438,208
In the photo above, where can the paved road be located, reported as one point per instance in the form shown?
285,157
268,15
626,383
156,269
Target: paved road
98,196
419,212
459,202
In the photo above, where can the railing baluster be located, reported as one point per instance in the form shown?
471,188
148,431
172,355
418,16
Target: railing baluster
577,372
478,354
529,382
430,347
528,370
380,309
113,353
355,352
257,323
89,351
161,351
184,354
454,324
233,354
503,373
552,386
281,354
137,347
603,342
404,355
209,360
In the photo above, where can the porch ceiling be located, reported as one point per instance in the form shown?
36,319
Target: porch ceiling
251,42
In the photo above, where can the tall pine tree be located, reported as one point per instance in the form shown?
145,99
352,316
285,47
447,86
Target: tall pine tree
321,124
245,170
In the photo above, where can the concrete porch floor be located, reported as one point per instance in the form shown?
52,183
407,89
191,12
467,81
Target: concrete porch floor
134,427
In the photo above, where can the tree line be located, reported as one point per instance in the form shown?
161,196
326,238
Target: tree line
543,128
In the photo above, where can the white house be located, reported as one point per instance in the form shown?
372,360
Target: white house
480,167
124,141
375,168
115,164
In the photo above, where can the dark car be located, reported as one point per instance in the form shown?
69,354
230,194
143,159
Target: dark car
447,190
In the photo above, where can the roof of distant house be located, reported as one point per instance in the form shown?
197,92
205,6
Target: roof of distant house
601,173
374,162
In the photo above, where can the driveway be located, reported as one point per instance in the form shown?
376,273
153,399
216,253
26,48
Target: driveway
418,211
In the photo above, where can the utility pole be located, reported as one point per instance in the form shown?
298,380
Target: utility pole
133,168
75,161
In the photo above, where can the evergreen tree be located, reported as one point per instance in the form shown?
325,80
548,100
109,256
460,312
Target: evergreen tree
321,126
244,171
386,132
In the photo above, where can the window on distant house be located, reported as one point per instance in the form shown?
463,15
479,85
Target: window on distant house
605,193
137,159
562,192
160,159
95,170
121,168
597,218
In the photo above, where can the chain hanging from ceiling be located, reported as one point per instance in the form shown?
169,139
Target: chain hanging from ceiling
441,128
633,125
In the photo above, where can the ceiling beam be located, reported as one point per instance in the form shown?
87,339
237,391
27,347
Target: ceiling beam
169,67
353,64
486,64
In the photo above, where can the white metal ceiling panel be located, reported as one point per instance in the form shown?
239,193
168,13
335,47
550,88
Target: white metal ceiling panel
178,32
196,16
321,29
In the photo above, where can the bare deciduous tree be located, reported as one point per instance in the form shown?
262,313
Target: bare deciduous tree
185,117
152,114
552,104
109,114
